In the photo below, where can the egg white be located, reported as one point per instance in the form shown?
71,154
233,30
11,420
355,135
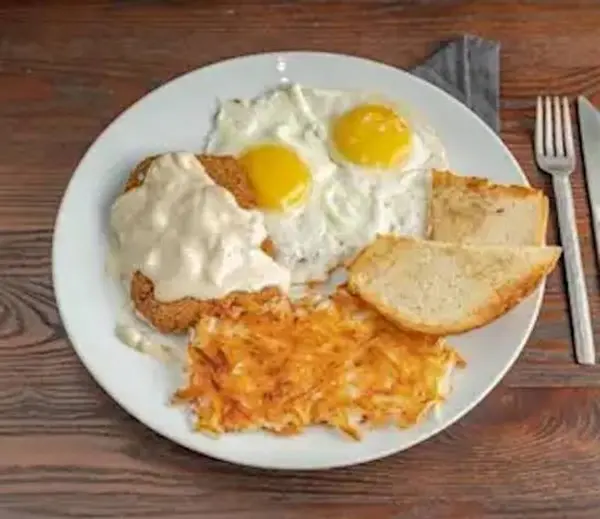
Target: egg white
323,107
347,205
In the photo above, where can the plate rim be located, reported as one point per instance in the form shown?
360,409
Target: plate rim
185,442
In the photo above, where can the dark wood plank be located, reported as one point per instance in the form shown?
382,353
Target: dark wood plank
531,449
522,453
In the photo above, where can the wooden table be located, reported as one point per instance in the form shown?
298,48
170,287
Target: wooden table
531,449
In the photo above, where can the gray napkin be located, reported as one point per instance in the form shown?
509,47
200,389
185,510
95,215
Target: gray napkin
468,69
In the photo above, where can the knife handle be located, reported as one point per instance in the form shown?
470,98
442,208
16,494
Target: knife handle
578,299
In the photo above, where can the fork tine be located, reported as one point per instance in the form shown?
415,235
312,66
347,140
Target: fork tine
558,128
568,133
539,128
548,127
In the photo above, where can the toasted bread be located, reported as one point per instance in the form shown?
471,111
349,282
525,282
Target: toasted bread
445,288
178,316
474,210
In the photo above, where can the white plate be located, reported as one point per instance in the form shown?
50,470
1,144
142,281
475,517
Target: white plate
177,116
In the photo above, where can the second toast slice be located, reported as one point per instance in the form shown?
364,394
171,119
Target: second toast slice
446,288
476,211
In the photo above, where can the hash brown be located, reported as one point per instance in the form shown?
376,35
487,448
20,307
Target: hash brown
340,364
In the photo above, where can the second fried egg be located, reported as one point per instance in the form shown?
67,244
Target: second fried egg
331,170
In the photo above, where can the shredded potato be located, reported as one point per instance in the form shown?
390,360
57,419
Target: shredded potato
287,366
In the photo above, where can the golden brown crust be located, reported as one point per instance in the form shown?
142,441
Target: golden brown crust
482,185
540,235
178,316
137,176
224,170
467,202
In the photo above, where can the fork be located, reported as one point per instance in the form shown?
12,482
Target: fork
555,154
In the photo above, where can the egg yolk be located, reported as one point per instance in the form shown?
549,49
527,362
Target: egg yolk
279,177
372,135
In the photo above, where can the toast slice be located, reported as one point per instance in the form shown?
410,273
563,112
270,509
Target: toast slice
474,210
446,288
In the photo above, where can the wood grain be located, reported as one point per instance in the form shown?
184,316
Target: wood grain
531,449
503,460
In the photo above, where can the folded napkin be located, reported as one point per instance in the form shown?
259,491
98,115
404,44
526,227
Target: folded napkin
468,69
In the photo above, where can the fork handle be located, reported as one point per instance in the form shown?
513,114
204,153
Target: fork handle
578,299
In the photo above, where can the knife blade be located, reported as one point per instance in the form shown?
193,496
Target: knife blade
589,127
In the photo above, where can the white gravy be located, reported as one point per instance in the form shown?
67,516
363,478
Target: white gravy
189,236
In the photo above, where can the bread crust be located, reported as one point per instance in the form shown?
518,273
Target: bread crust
177,316
484,189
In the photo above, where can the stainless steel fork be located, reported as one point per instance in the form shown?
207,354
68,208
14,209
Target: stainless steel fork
555,154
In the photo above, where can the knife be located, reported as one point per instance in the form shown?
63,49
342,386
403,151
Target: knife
589,127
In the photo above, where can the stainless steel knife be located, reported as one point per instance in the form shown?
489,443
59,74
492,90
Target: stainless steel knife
589,127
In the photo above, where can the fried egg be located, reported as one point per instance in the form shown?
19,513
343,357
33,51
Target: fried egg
331,170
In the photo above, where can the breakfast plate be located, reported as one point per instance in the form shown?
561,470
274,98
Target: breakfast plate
179,116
